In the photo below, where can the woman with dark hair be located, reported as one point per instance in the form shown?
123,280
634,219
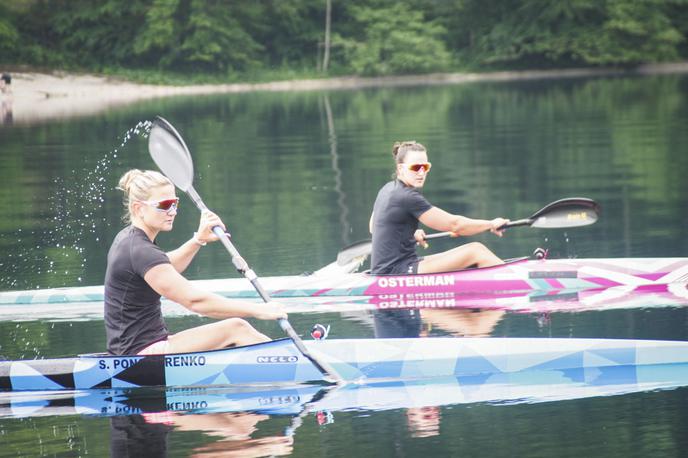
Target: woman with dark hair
398,209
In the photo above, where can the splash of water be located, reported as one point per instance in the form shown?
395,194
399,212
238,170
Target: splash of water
76,213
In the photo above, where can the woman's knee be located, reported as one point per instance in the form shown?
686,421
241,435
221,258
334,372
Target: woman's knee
477,247
482,255
240,332
233,325
476,250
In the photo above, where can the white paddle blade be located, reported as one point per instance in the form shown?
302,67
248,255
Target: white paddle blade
170,154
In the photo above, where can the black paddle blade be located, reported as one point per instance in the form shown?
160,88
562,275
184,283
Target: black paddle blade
170,154
570,212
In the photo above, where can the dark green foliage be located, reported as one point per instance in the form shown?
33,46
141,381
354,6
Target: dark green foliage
393,39
370,37
9,36
196,35
588,32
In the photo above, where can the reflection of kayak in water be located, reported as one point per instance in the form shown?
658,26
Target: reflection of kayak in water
622,297
571,300
503,388
355,360
537,276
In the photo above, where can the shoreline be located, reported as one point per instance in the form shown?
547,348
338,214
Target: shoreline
39,97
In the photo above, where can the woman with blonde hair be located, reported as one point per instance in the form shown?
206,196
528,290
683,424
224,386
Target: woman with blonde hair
139,273
398,209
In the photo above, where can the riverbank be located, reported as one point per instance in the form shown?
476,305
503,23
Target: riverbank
37,96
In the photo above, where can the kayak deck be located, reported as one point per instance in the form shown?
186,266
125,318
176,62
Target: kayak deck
520,275
279,361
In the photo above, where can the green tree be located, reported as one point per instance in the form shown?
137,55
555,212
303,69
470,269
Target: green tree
159,32
393,39
289,30
537,32
9,36
94,33
197,35
633,32
370,37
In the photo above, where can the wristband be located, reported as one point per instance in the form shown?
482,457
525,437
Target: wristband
197,240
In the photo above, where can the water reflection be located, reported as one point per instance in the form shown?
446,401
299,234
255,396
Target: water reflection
338,182
232,435
423,421
467,323
396,323
132,436
473,322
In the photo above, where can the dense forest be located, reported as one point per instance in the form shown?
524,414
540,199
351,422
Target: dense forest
246,40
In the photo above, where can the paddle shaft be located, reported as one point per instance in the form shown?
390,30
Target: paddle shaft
517,223
243,267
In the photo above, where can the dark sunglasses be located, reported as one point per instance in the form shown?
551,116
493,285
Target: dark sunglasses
425,166
163,205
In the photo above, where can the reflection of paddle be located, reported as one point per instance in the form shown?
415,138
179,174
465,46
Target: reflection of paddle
297,421
563,213
170,153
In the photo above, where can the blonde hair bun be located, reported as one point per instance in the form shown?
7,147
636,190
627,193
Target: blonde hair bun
138,185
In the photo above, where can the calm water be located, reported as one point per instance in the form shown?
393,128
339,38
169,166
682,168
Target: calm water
294,177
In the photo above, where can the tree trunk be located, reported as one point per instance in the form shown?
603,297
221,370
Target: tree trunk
328,21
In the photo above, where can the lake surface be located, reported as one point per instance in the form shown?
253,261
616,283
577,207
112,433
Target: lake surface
294,176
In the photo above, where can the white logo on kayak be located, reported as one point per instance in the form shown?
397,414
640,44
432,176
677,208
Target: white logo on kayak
277,359
401,282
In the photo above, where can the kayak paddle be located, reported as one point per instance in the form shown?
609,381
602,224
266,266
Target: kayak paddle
348,260
355,251
560,214
171,155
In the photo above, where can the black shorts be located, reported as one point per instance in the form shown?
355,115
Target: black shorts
408,268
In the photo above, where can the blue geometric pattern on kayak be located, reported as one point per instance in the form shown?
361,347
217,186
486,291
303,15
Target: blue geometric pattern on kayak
354,359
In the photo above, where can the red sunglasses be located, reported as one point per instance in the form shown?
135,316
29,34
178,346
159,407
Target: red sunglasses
425,166
163,205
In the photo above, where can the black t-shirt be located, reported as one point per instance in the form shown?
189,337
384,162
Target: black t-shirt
395,219
133,319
